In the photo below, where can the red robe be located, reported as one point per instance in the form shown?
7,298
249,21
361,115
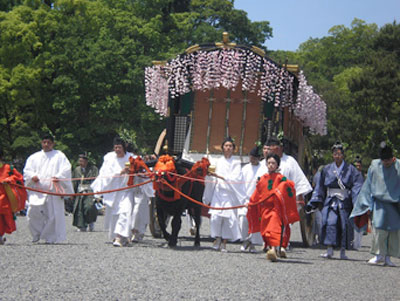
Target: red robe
276,208
12,198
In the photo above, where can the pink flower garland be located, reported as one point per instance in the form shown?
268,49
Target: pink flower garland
208,69
310,108
156,89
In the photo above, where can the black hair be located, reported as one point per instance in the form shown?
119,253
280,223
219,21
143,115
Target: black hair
275,156
228,139
48,136
255,152
385,151
119,141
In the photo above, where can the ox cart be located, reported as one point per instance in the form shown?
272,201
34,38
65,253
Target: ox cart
217,90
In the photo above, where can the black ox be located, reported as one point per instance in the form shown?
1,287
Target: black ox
167,206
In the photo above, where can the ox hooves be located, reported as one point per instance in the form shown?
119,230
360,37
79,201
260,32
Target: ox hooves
167,236
172,245
172,242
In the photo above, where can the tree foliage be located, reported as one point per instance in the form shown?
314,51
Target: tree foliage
376,91
75,68
356,70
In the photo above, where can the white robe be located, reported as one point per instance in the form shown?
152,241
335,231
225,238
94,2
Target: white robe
249,172
119,204
141,210
46,217
291,170
226,193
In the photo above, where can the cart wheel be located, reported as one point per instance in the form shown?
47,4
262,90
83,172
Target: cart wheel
154,226
306,227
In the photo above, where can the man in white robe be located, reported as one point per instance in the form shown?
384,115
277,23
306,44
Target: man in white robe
47,170
228,191
290,169
114,174
249,172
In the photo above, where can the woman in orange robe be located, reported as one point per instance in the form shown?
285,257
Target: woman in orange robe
12,199
272,208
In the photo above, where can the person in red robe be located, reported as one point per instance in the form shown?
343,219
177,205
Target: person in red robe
272,208
12,198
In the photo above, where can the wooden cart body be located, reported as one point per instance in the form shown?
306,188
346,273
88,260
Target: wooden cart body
199,120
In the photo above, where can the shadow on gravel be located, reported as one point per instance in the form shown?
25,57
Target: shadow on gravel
189,248
287,261
364,249
381,266
164,245
190,238
344,260
58,244
41,244
296,244
290,260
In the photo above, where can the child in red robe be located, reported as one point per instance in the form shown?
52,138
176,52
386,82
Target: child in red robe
272,208
12,198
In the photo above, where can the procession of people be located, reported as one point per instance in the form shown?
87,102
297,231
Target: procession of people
256,204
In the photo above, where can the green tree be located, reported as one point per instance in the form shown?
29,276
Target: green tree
19,79
76,68
331,63
326,57
377,91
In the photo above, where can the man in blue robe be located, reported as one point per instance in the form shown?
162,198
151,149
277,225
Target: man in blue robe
336,190
380,195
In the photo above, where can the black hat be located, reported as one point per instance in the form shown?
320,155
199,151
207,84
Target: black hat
228,139
357,159
84,156
48,136
337,145
255,152
272,141
385,151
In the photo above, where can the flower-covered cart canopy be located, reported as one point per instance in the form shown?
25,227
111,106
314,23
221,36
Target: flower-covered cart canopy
211,67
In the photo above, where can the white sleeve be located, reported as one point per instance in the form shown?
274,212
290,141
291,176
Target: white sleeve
302,185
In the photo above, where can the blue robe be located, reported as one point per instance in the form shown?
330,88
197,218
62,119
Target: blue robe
380,194
336,228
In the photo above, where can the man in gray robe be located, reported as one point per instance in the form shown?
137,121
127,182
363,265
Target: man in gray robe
85,211
380,197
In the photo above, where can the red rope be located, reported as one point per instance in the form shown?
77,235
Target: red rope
79,194
211,207
151,174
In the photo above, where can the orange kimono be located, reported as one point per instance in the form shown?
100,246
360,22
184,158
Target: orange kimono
272,208
12,198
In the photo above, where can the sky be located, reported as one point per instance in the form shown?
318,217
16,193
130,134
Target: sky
295,21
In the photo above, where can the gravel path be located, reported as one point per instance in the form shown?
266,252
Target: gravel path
88,267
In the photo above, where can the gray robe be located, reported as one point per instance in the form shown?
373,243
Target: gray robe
85,212
336,228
